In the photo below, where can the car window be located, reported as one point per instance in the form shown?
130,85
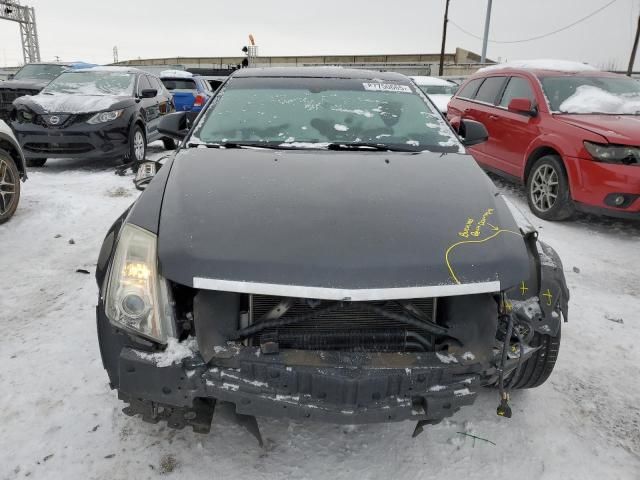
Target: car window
143,84
92,82
560,88
179,84
490,89
470,89
517,88
313,112
155,83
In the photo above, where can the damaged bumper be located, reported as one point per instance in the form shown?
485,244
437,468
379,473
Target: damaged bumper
335,387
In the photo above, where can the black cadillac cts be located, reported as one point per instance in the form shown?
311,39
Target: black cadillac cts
321,247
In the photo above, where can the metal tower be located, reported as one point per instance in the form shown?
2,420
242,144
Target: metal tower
26,17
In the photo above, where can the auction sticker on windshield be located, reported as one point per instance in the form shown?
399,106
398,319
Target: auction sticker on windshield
387,87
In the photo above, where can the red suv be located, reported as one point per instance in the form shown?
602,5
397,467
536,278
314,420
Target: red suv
572,137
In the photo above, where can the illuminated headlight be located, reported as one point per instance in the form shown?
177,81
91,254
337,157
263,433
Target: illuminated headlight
104,117
137,298
627,155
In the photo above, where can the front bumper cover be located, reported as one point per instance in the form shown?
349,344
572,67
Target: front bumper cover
334,387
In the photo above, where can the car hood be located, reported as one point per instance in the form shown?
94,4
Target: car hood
241,219
619,129
72,103
26,84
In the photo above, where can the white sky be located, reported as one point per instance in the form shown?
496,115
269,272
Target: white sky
88,29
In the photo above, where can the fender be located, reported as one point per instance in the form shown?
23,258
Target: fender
15,146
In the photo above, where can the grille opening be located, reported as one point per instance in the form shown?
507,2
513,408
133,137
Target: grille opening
347,326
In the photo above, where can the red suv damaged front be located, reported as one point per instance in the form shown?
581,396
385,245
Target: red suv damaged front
573,137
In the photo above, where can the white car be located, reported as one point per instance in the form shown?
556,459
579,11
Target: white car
438,90
12,171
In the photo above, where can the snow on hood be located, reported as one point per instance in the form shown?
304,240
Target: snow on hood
70,103
543,64
441,100
589,99
420,80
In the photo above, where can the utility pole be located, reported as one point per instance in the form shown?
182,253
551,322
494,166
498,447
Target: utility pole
444,37
632,60
485,39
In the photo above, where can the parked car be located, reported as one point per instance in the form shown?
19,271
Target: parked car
30,80
570,133
342,260
437,89
12,171
190,92
103,112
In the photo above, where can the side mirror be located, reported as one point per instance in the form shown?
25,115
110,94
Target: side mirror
522,105
144,175
472,132
174,125
148,93
10,76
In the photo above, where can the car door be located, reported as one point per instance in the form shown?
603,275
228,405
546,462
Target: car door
165,103
516,129
462,102
482,109
149,108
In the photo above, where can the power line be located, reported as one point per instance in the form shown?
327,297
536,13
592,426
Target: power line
537,37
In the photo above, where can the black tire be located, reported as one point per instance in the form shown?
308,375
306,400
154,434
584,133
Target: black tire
535,371
9,186
540,194
137,152
36,162
169,143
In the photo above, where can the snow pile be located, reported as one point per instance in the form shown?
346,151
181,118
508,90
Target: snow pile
543,64
589,99
175,352
176,73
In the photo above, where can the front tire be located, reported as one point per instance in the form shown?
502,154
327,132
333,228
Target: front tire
137,146
537,369
9,186
548,192
36,162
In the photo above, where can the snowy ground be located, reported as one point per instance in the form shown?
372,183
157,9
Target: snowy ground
59,420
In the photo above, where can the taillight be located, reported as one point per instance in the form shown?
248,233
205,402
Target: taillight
199,101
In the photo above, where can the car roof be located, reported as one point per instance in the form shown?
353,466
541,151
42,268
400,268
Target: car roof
423,80
318,72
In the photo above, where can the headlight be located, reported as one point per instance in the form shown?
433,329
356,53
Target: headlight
24,116
137,297
627,155
104,117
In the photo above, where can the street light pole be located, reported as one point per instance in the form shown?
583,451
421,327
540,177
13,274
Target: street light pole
632,60
485,39
444,37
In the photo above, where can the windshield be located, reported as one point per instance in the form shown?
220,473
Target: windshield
592,94
179,84
438,89
315,112
39,72
92,83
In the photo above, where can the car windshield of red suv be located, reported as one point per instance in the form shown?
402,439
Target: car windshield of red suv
592,94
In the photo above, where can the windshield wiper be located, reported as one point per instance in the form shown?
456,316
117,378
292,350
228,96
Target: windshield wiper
380,147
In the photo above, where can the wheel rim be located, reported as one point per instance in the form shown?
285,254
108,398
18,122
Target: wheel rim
544,187
138,145
7,187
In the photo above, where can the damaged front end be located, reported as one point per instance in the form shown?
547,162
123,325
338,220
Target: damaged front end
337,361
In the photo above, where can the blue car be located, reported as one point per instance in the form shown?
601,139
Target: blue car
190,92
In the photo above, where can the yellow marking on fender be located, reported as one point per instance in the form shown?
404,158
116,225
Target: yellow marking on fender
490,237
523,288
549,296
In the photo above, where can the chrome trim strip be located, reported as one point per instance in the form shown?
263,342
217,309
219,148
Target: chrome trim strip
355,295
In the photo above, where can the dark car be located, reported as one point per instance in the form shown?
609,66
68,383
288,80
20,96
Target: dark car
30,80
321,247
100,112
12,172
